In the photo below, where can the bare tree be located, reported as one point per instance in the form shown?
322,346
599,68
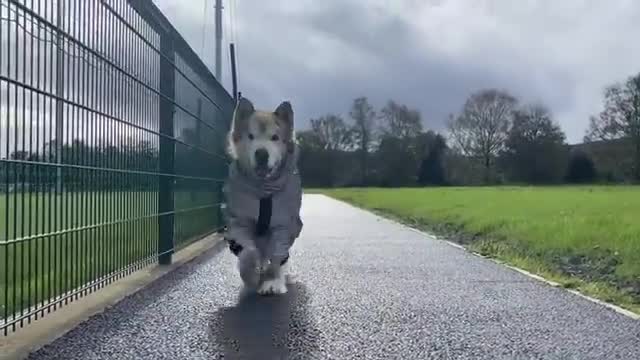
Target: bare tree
332,132
324,148
400,121
363,131
620,118
481,130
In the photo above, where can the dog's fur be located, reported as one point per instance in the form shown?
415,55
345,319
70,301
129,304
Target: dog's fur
254,130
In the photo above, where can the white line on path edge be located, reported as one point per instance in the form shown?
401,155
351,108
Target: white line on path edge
613,307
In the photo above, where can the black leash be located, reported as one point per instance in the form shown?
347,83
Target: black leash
262,225
264,216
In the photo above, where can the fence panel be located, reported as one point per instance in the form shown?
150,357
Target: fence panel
111,148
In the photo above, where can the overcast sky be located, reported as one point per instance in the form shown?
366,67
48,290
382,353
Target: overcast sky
428,54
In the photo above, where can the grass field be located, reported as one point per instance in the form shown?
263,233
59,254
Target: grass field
66,241
583,237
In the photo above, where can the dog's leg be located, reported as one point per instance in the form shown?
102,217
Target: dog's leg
249,267
275,284
289,277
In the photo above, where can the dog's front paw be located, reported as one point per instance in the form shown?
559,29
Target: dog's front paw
273,287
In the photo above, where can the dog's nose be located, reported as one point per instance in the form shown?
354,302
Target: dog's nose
262,157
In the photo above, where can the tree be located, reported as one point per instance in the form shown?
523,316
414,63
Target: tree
324,162
462,170
364,117
620,118
333,137
480,131
399,150
396,162
400,122
581,168
308,139
535,150
432,170
312,160
332,132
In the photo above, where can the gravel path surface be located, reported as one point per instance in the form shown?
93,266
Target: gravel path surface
364,288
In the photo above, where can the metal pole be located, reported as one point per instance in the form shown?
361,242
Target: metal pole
234,75
219,40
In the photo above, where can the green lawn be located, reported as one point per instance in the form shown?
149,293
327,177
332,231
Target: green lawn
583,237
74,238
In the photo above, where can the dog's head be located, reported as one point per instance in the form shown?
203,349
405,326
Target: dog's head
260,140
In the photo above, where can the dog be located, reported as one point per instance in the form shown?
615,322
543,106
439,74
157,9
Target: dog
263,195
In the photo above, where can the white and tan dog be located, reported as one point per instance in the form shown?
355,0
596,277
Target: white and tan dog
263,194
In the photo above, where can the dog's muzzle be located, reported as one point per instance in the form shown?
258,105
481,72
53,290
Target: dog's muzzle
262,163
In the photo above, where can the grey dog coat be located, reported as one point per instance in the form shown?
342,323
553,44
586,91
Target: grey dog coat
243,194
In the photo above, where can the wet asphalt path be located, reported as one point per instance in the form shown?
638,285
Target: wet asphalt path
365,288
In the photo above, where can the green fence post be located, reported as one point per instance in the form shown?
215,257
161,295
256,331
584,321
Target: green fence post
223,169
166,152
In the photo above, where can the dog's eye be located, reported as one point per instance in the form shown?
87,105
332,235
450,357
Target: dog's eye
250,136
275,138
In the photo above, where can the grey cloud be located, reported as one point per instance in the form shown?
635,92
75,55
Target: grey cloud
428,54
430,83
356,26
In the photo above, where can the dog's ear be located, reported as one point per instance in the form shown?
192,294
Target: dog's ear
244,110
284,112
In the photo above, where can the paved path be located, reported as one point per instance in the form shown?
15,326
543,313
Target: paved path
366,289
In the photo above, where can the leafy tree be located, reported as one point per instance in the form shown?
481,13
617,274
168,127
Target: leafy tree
396,162
535,147
323,167
620,118
432,168
581,168
400,149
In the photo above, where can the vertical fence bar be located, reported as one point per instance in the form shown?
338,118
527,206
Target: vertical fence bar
39,261
236,97
14,210
32,250
24,248
167,152
51,177
5,167
234,74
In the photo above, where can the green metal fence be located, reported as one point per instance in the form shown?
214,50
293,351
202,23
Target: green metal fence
111,148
